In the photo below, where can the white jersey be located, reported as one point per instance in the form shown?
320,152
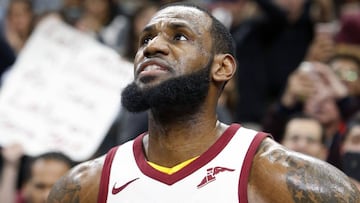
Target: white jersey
218,175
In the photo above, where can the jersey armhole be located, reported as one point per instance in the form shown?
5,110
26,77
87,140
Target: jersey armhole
105,175
245,170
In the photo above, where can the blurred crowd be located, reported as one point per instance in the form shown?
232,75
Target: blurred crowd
298,74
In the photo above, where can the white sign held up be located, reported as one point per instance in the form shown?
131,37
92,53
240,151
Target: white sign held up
63,93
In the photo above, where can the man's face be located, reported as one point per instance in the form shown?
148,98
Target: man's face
323,109
20,17
304,135
174,52
175,42
44,173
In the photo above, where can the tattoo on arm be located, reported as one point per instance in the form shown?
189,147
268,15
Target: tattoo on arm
310,183
66,190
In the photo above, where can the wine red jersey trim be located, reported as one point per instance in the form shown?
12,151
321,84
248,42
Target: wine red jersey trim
170,179
246,168
127,166
105,175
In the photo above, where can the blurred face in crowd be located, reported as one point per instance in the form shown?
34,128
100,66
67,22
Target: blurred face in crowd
20,16
348,71
97,8
352,141
44,173
323,109
305,135
173,61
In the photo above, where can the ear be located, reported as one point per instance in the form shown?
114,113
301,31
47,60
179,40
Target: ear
224,67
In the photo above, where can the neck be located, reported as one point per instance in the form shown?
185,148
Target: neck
173,139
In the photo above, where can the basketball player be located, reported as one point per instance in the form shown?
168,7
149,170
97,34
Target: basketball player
184,60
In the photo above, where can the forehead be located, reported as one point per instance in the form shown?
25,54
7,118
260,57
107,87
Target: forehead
192,17
44,168
300,126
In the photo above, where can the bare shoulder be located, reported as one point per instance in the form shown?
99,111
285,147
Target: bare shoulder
80,184
280,175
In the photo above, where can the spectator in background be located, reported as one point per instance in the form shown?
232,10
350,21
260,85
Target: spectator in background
349,19
305,134
18,24
10,169
322,48
346,64
343,98
312,89
101,20
41,173
323,106
71,11
262,41
351,150
36,174
270,46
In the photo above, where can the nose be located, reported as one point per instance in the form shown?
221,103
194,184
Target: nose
46,193
156,46
301,146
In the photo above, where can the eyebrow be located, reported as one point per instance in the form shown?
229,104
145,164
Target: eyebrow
172,25
178,25
149,28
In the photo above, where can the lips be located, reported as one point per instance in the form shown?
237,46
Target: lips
153,66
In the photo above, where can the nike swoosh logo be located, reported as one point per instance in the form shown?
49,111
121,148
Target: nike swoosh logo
116,190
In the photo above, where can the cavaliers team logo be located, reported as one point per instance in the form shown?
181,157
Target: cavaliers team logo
211,173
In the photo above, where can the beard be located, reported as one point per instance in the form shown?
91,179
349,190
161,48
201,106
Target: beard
183,94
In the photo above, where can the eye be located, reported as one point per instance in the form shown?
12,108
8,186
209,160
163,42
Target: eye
180,37
145,40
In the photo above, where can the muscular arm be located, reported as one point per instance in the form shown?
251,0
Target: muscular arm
279,175
80,185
